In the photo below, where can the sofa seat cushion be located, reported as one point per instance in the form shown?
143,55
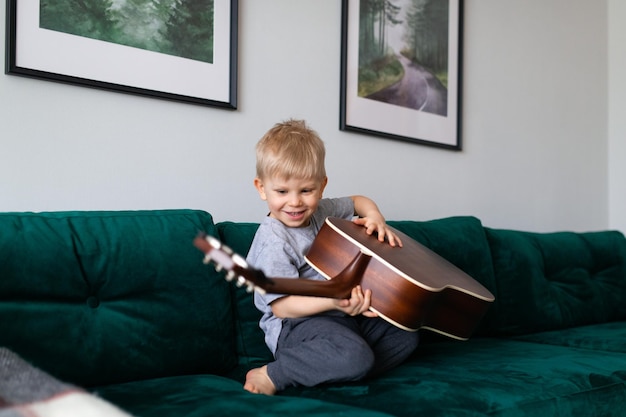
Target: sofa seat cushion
609,337
103,297
211,395
549,281
491,377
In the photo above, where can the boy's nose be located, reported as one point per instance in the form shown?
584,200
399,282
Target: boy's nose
295,200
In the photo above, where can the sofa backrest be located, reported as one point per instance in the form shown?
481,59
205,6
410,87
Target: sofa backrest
549,281
104,297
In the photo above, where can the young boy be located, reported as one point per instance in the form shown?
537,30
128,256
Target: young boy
314,340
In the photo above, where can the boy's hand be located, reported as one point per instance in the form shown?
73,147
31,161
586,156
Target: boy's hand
358,303
377,224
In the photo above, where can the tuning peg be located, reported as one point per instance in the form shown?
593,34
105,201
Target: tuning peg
230,276
207,259
249,287
215,243
219,268
239,260
240,281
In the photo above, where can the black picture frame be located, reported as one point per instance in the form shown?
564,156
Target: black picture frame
383,91
36,52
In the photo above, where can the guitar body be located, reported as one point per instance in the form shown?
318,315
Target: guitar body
412,287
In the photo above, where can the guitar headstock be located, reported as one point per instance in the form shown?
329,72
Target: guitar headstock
236,268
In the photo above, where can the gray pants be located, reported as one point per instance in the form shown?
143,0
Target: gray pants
326,348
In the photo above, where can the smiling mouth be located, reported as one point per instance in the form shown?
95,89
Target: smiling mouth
294,213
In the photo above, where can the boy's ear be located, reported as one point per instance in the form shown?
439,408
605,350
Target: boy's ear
323,185
258,184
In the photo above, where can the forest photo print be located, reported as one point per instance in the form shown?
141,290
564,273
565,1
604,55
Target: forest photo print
175,27
401,69
182,50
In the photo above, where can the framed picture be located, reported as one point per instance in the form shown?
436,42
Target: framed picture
401,70
177,50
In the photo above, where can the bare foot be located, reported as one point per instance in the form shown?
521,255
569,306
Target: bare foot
259,382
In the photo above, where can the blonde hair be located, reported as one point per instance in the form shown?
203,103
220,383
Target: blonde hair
291,150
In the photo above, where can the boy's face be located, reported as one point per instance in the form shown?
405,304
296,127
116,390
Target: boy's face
291,201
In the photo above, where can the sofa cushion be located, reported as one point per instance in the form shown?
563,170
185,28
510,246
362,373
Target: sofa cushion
548,281
104,297
610,337
490,377
212,395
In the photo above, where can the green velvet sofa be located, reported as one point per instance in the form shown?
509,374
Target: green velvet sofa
120,304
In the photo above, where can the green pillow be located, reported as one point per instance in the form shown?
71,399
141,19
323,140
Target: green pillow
557,280
103,297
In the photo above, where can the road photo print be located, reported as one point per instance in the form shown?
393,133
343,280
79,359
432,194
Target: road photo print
401,70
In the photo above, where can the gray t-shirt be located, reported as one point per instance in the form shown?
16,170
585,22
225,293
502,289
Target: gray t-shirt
279,251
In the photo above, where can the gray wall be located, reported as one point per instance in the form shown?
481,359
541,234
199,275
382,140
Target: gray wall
535,127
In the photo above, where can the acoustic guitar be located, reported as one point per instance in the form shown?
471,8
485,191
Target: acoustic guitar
412,287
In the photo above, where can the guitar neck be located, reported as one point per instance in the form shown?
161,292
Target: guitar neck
308,287
338,287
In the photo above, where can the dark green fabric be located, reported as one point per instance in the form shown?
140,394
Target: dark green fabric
491,377
460,240
557,280
209,395
104,297
599,337
251,348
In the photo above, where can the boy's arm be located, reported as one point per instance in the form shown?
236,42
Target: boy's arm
372,219
295,306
